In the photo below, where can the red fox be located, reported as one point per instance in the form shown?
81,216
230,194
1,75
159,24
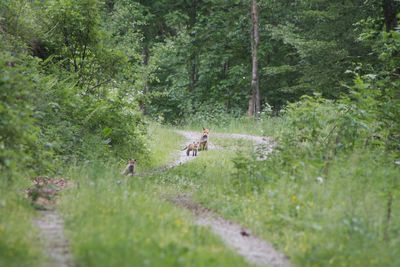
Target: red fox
192,147
204,139
130,168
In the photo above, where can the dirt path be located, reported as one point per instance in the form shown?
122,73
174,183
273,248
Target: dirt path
43,194
57,251
255,250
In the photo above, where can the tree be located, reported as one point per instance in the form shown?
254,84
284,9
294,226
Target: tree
390,14
254,101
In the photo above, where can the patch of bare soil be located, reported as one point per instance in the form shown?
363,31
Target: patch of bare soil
43,196
57,251
255,250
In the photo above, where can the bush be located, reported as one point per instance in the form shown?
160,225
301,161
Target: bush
19,131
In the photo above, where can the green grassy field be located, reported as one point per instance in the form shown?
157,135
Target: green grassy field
339,219
118,221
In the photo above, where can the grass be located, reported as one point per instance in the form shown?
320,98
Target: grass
340,221
334,219
115,221
161,141
19,244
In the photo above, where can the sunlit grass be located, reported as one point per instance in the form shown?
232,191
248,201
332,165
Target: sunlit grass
162,144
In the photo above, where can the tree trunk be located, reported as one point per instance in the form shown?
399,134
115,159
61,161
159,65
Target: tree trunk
145,54
390,12
193,71
254,101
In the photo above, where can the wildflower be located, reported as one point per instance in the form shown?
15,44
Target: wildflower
320,179
297,207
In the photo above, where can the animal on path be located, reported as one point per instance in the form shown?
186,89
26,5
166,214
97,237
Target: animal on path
192,147
204,139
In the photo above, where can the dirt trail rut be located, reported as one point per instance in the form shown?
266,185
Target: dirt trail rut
51,224
255,250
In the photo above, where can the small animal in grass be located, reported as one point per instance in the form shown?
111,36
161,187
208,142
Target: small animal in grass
130,168
204,139
192,147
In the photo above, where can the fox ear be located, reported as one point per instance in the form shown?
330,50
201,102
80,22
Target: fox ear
203,128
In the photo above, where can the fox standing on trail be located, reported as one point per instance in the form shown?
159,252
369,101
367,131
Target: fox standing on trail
192,147
204,139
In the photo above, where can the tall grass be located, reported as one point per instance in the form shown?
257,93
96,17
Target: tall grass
19,242
126,222
161,144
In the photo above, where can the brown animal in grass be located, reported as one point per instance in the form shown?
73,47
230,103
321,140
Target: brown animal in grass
192,147
130,168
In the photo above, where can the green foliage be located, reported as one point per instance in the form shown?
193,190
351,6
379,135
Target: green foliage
305,48
19,133
71,102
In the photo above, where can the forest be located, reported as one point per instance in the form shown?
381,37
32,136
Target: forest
301,97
